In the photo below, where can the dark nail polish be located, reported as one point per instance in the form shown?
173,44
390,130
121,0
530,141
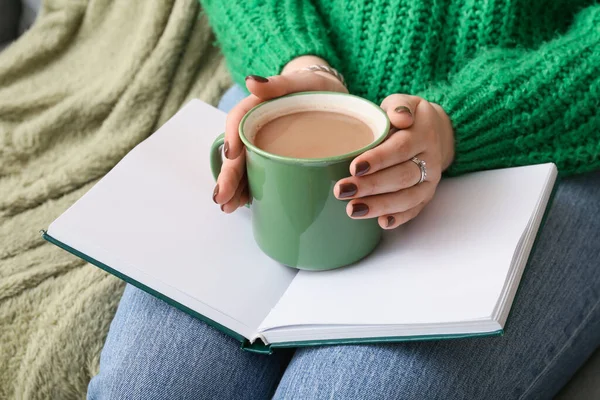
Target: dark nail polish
359,210
257,78
403,109
215,193
390,221
223,207
226,149
347,190
362,168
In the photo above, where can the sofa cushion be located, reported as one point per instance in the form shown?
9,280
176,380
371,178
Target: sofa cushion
10,11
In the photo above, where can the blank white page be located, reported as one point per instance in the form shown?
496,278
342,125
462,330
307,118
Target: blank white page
152,218
447,265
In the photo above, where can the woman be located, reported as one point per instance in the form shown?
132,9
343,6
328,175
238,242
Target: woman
471,86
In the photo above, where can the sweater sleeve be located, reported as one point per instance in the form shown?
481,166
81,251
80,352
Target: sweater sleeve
261,36
518,107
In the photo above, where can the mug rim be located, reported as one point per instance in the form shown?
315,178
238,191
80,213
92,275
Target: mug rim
340,157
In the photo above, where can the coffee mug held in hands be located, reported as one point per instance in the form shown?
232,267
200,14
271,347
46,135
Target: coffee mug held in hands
295,216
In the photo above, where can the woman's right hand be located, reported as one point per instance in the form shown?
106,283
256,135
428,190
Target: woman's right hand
231,190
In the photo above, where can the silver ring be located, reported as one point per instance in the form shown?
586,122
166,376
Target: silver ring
422,166
324,68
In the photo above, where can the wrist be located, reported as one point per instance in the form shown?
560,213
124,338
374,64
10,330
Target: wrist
446,137
302,62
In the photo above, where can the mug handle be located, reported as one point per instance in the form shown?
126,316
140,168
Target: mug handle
216,161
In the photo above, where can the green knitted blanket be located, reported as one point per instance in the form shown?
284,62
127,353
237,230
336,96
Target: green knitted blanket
85,84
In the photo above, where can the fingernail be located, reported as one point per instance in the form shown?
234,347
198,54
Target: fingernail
226,149
347,190
359,210
215,193
257,78
223,207
403,109
361,168
390,221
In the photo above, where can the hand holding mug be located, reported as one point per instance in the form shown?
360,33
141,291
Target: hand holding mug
385,180
231,190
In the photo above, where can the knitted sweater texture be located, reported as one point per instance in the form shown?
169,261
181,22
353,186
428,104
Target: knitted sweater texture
520,79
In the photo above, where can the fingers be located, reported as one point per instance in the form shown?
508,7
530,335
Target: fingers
397,177
392,221
238,200
401,109
230,178
399,147
280,85
390,203
233,145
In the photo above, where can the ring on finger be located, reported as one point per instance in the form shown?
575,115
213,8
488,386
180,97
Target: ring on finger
422,166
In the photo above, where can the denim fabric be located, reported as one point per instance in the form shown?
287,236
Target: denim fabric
154,351
232,97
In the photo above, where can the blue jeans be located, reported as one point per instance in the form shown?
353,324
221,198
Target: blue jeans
154,351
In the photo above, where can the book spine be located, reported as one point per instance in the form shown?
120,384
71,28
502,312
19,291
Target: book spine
258,347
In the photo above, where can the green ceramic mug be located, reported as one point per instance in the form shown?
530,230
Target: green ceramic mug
295,216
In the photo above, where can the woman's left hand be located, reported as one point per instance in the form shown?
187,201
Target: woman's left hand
384,182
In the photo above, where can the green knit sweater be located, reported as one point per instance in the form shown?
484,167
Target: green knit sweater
520,80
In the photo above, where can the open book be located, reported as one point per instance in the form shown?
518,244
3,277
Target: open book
451,272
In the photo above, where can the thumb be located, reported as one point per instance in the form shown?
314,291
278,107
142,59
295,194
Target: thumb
280,85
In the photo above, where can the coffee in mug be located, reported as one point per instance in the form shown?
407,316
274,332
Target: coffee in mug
313,134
